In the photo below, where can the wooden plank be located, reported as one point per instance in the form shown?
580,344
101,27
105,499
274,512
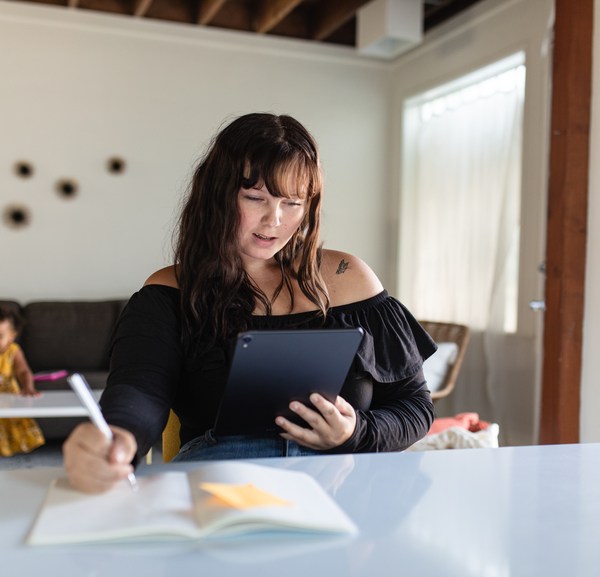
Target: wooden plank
272,13
141,7
437,12
334,14
234,16
207,9
567,222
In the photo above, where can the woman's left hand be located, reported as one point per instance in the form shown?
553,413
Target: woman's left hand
331,424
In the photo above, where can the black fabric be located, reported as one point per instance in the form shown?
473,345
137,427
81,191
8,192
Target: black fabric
152,370
71,335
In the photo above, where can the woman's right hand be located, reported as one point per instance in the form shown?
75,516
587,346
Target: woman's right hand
93,463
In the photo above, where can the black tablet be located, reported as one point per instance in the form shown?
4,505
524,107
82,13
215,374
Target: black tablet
271,368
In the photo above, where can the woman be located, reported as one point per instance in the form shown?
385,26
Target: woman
248,257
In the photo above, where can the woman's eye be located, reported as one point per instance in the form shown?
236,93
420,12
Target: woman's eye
292,203
254,198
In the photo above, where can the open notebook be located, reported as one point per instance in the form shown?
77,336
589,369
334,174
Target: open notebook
218,499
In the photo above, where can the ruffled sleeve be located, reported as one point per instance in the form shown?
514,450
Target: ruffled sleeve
394,346
389,366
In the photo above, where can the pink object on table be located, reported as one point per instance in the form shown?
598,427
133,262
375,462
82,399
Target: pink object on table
50,376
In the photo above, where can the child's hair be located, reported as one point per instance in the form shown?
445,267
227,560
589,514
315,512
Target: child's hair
14,318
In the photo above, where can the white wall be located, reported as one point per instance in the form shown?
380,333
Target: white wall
590,387
78,87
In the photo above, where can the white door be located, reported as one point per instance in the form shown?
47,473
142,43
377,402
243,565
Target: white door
472,202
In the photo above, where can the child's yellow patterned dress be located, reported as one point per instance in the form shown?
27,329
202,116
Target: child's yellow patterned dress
16,435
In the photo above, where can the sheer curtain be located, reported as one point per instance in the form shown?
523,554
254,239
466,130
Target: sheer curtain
460,226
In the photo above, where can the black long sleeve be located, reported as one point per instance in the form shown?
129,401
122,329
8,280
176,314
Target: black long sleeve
401,413
154,370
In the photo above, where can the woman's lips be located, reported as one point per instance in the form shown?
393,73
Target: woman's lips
264,237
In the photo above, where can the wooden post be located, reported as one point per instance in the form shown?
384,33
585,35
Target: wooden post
567,221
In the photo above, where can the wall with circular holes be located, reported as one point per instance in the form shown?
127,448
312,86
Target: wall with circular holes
104,117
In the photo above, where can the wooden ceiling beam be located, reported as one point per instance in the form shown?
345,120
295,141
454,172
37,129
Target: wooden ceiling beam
141,7
272,13
330,20
333,15
207,10
437,12
435,3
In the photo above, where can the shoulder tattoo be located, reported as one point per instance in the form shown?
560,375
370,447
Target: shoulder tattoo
341,269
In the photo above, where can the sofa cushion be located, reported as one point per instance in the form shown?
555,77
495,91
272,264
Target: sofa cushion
71,335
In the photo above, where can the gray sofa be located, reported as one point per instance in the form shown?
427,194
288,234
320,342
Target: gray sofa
70,335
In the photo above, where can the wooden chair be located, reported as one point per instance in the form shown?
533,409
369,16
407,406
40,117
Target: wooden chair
448,333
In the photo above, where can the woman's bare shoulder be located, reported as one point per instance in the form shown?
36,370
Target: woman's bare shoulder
348,278
165,276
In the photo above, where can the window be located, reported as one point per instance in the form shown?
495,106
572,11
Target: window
461,188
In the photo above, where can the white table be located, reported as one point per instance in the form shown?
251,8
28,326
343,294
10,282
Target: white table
50,404
509,512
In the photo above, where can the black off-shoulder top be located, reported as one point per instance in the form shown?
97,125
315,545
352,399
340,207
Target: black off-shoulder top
152,370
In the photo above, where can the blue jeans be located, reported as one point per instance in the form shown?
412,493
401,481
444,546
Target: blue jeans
209,448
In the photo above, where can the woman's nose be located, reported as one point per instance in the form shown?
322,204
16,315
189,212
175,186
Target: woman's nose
272,215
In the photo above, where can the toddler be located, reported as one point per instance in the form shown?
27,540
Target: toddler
16,435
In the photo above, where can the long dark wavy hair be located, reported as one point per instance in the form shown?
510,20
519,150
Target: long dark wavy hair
217,296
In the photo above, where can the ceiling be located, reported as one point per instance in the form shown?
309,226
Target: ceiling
332,21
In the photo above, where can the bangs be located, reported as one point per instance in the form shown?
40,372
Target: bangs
290,176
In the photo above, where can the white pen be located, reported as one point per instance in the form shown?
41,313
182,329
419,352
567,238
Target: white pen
82,390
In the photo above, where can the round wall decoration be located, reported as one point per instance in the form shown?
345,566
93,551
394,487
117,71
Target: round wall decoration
116,165
67,188
16,216
23,169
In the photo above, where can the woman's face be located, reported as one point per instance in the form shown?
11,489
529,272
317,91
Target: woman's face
266,222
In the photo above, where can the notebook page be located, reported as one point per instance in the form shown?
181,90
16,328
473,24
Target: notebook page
161,507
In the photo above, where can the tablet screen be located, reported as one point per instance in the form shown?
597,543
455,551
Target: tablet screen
269,369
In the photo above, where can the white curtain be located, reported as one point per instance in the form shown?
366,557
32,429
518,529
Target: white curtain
460,230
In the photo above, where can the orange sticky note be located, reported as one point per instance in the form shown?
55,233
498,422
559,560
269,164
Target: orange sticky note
243,496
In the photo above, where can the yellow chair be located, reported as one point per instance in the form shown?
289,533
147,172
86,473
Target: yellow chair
170,438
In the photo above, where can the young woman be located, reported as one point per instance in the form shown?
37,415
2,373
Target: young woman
248,257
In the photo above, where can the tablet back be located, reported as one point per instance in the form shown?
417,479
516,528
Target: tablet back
271,368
